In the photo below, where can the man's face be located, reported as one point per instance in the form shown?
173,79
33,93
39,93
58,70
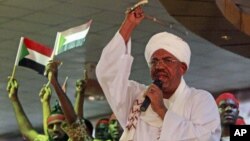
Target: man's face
56,132
101,131
168,69
115,129
229,111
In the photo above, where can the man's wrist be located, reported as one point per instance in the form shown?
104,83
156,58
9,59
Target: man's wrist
45,101
13,97
126,29
128,26
162,112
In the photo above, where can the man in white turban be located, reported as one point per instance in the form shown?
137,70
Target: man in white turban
176,112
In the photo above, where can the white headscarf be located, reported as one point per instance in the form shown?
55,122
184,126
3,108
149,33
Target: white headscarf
171,43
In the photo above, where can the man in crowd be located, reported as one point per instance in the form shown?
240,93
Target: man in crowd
74,127
58,125
102,130
53,132
81,85
229,110
177,112
115,129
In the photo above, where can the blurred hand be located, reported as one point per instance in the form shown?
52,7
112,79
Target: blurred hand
51,69
85,75
156,97
12,87
81,84
135,16
45,94
131,21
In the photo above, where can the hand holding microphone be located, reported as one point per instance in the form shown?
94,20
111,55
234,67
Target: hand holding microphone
147,101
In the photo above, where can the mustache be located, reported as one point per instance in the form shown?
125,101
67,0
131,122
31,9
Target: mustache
161,72
55,134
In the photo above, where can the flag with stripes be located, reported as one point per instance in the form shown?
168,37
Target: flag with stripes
33,55
71,38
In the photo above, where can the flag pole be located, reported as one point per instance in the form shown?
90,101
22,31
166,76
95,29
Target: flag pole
85,75
64,85
13,72
17,57
55,50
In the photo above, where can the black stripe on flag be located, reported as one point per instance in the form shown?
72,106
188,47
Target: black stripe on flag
25,62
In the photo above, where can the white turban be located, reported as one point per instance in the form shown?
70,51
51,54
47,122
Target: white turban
171,43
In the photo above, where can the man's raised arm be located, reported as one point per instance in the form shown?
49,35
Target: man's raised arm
132,19
24,124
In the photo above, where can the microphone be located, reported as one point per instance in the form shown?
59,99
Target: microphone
147,101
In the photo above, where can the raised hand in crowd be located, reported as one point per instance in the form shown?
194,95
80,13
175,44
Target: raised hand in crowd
75,129
45,96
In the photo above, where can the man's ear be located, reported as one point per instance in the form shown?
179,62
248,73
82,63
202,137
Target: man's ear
183,67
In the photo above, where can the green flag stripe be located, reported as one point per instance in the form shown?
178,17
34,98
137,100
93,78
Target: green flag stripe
24,52
71,45
61,42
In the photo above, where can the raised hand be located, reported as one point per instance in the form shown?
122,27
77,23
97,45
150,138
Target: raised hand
81,84
51,69
156,97
12,87
45,94
135,16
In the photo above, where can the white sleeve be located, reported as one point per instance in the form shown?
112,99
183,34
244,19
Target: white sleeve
112,71
204,124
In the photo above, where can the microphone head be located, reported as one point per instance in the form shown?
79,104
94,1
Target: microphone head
158,83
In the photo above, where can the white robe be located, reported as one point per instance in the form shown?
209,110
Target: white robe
227,138
193,115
